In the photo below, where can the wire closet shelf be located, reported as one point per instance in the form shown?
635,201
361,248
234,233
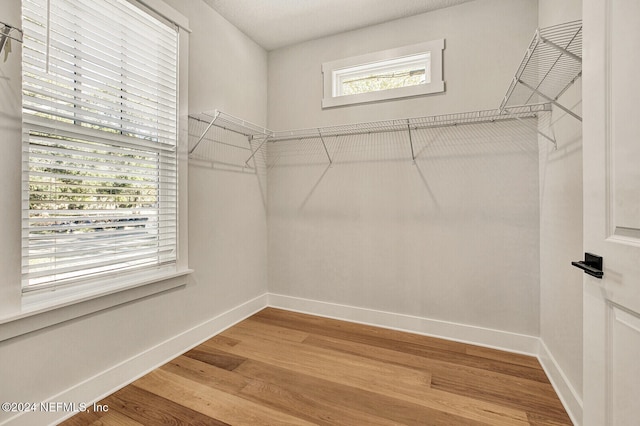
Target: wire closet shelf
416,123
551,64
253,132
228,123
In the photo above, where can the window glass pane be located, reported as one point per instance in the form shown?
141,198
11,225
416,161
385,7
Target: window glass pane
384,75
383,81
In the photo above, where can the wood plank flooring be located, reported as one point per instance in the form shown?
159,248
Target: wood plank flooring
285,368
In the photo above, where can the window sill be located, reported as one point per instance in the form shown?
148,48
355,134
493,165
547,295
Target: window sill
39,312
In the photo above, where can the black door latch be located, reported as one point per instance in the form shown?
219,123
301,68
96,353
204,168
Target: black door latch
592,265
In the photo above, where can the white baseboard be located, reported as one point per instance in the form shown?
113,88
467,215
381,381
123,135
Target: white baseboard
567,394
120,375
497,339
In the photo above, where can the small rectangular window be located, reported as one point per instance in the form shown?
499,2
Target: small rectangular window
396,73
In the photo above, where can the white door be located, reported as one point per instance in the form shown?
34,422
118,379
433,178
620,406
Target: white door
611,137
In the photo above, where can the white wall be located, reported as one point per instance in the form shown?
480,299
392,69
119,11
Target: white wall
227,209
227,239
561,226
485,41
454,237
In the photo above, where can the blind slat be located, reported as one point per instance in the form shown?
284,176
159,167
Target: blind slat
68,132
75,112
134,103
86,72
118,112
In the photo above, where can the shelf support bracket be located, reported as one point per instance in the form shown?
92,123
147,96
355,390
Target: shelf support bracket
255,166
561,49
215,117
413,155
5,36
325,146
529,126
549,99
256,151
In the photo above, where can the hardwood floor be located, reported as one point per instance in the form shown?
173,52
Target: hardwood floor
282,368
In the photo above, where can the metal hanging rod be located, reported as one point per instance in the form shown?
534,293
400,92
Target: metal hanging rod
551,64
9,32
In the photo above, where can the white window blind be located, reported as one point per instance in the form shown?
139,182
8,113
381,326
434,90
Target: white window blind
99,138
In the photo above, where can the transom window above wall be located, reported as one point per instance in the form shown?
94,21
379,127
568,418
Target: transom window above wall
389,74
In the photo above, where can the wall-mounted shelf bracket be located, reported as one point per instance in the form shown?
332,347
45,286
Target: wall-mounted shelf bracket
206,130
253,153
562,50
413,155
535,128
8,33
325,146
553,101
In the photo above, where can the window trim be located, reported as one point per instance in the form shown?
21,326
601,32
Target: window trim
39,311
26,312
331,69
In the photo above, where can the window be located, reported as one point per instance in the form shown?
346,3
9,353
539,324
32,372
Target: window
384,75
99,141
396,73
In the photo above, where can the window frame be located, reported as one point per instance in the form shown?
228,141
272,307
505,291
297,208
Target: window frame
40,300
332,71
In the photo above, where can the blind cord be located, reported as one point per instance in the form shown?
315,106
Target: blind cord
48,36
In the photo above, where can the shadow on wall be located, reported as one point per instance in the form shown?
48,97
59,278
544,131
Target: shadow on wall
458,170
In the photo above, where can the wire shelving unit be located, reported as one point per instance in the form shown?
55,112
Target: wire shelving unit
261,135
551,64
